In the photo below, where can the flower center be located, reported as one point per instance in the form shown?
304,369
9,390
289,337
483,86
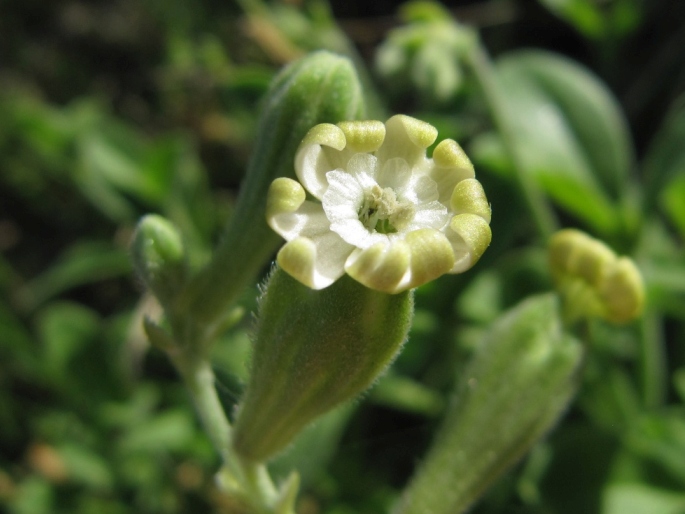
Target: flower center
382,212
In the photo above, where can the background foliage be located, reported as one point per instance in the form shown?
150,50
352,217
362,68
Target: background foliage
109,110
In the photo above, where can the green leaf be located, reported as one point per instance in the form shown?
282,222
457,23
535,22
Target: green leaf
65,328
172,430
665,159
570,133
673,199
641,499
597,20
34,495
584,15
86,467
82,263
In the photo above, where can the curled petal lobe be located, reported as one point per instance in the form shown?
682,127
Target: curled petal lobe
407,138
284,195
308,220
315,263
363,136
382,267
431,257
450,155
470,236
450,167
468,197
312,163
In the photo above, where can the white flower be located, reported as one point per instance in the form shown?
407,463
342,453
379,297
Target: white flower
382,211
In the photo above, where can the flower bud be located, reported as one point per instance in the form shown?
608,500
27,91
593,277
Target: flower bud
514,390
320,87
159,256
593,279
312,351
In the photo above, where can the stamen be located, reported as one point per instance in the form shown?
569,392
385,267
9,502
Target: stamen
382,212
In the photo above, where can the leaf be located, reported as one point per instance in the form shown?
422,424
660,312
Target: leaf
665,158
65,328
584,15
640,499
570,133
169,431
86,467
595,19
82,263
673,199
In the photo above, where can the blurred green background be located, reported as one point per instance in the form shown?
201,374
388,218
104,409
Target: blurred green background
113,109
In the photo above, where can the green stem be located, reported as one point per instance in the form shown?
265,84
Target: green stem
483,70
250,482
652,361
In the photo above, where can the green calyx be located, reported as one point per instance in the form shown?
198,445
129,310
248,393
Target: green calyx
159,257
314,350
515,389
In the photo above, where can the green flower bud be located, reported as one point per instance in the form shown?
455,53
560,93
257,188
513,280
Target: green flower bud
159,257
425,54
320,87
593,279
314,350
514,390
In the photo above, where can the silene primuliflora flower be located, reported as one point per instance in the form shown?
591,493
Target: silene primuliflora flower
379,210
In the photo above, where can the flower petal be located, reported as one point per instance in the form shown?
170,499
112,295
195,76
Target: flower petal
429,215
343,198
312,162
308,220
284,195
469,198
450,166
382,266
408,138
420,189
469,235
394,174
431,257
318,262
363,136
364,168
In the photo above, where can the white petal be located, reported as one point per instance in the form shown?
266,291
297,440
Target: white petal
420,189
343,198
430,215
395,174
331,254
308,220
311,166
355,233
363,167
